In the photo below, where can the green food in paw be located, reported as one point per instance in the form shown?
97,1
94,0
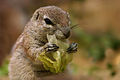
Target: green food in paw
62,58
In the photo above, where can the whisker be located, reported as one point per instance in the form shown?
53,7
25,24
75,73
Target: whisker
74,26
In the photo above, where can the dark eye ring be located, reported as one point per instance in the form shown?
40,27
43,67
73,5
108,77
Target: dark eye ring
48,21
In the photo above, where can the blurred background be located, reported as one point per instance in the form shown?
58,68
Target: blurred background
97,32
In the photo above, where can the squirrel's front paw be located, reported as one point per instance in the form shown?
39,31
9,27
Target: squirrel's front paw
72,48
51,48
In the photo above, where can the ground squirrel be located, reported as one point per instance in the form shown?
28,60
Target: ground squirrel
24,64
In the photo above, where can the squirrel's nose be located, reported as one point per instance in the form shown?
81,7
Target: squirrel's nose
67,34
65,31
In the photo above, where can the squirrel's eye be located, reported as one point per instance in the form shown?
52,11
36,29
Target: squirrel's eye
48,21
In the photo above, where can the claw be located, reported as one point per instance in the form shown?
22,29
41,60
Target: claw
72,48
52,48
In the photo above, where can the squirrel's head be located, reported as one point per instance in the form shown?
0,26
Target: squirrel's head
54,20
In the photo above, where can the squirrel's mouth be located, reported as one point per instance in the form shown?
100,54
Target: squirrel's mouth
62,35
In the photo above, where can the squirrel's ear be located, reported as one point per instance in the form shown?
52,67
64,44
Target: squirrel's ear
36,16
